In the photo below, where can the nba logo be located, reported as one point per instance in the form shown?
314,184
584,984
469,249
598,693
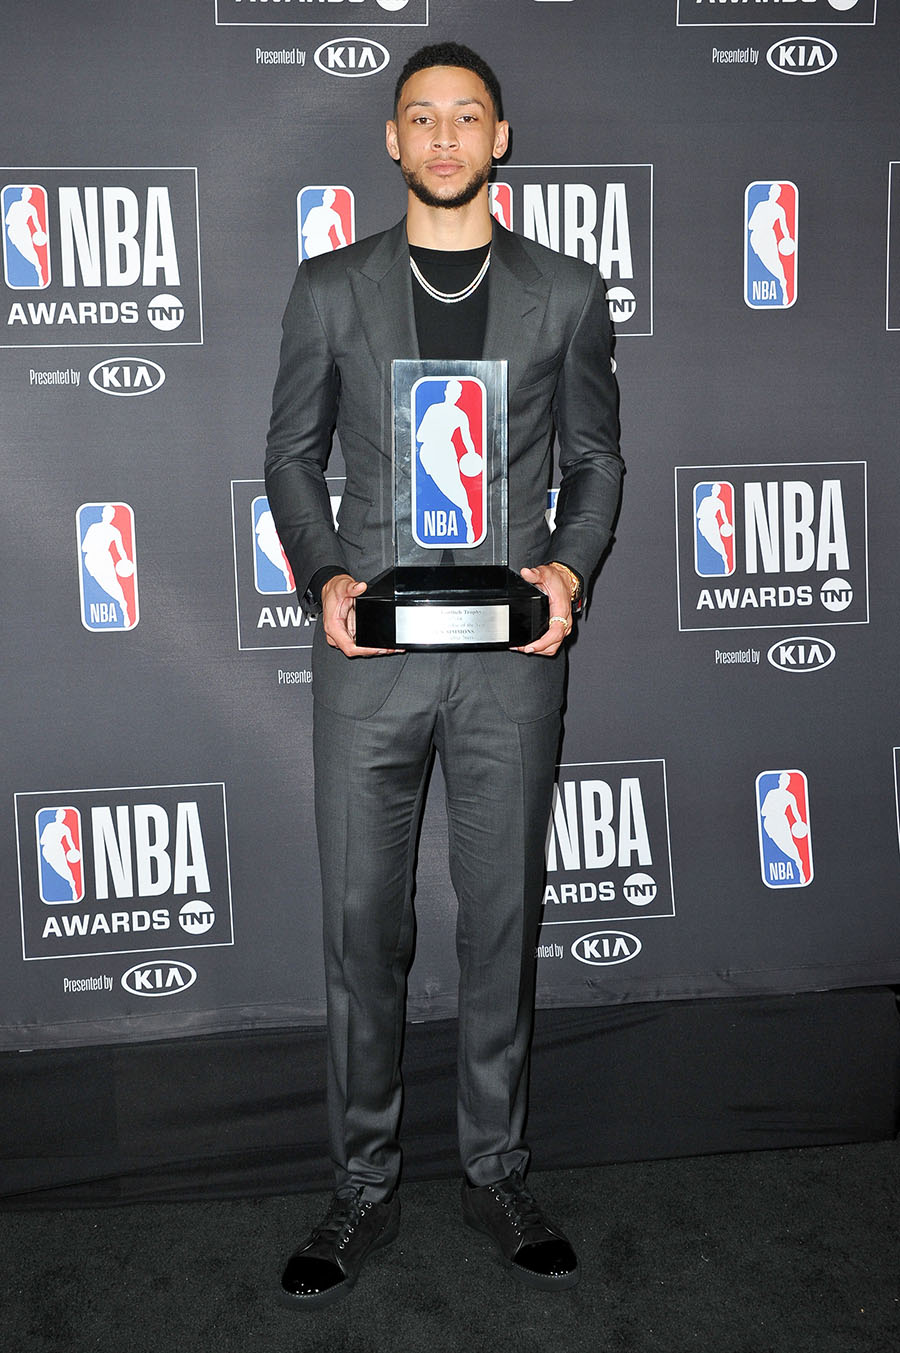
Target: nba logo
770,245
500,199
60,866
550,513
714,530
449,484
785,843
271,570
107,566
326,220
26,248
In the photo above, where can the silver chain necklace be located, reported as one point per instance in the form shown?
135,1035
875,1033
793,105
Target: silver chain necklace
451,297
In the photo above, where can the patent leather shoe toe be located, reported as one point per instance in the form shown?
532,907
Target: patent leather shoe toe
535,1250
328,1263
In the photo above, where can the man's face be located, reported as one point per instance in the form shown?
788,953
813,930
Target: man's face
446,135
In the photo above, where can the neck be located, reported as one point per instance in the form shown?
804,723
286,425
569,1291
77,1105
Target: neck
466,227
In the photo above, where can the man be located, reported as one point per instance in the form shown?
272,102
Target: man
443,283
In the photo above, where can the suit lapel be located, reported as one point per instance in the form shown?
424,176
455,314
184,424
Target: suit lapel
382,289
517,302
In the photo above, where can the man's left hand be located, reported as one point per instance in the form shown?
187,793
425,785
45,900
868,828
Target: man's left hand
556,584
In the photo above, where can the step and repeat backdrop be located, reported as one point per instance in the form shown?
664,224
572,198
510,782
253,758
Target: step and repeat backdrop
726,818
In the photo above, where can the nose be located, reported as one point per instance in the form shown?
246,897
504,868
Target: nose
445,134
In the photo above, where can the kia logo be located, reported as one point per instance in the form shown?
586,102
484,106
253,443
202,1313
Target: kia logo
351,57
801,654
801,56
126,376
602,948
159,978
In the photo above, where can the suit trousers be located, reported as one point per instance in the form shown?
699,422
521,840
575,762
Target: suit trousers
371,775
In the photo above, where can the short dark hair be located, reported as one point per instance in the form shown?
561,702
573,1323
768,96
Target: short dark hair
451,54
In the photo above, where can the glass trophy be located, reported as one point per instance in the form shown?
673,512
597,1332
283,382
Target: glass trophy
450,585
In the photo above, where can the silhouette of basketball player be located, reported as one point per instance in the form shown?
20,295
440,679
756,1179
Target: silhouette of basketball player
270,545
318,225
438,454
712,523
100,539
58,848
763,240
22,224
781,828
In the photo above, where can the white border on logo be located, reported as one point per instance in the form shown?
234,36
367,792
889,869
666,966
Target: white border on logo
117,789
891,328
261,648
769,465
752,23
299,27
630,916
130,169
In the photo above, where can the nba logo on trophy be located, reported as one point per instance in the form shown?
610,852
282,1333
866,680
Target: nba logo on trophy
60,871
714,529
449,483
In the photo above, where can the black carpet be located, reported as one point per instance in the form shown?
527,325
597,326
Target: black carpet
794,1251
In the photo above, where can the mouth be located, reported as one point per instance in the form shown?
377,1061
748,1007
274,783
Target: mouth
444,168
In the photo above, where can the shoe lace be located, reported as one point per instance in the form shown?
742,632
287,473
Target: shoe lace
344,1214
518,1202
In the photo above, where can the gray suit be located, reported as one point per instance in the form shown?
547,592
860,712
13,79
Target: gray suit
493,717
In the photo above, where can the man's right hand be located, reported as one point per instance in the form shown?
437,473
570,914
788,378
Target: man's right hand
339,617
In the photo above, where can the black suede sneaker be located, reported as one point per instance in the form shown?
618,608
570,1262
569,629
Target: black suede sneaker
536,1250
325,1268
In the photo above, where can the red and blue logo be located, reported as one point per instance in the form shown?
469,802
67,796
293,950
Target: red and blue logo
271,571
107,566
500,197
770,244
785,840
326,220
449,480
714,541
59,858
26,237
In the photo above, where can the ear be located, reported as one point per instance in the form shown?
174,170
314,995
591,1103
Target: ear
501,140
390,138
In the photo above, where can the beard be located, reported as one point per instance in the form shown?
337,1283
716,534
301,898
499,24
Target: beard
460,198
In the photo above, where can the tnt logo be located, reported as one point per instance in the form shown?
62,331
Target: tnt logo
501,203
326,220
26,243
770,245
107,572
60,867
271,570
449,482
785,843
714,529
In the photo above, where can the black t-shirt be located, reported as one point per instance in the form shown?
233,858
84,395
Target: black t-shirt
450,329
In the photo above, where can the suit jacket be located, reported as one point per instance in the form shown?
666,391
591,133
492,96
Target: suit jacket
350,313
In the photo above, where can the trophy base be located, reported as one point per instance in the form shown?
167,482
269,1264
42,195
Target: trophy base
436,608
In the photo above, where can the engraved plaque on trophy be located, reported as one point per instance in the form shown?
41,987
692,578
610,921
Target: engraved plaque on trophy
450,586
